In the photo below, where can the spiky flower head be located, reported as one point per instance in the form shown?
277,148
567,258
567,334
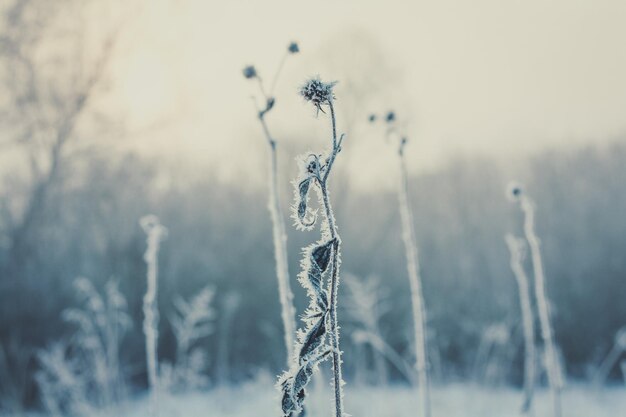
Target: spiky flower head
372,118
514,191
249,72
391,116
293,48
318,92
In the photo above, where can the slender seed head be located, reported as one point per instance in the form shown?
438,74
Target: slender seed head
514,192
293,48
249,72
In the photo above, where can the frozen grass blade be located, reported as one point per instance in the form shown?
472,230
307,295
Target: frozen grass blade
278,223
547,334
517,249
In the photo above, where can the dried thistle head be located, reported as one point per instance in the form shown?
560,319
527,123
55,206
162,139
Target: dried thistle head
318,92
293,48
390,117
372,118
514,191
249,72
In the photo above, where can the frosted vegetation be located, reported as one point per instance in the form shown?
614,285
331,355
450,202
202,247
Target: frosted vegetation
279,235
319,339
105,312
394,135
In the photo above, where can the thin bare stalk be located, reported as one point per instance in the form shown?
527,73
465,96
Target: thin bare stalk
412,264
155,233
278,71
551,358
288,312
276,214
612,358
516,248
389,353
417,298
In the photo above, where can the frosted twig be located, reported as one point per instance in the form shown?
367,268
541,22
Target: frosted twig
276,213
413,267
318,258
155,234
547,333
517,250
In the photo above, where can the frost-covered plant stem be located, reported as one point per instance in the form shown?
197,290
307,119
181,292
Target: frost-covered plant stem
280,247
413,266
516,248
155,233
547,334
321,260
417,298
278,223
334,273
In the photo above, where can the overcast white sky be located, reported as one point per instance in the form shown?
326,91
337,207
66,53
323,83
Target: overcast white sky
488,76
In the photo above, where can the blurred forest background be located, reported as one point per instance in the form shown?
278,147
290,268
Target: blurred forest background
71,198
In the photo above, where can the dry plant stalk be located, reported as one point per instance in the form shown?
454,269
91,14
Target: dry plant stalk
413,266
612,358
278,224
321,260
547,334
155,234
517,249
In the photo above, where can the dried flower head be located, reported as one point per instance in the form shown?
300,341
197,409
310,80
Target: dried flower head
514,191
318,92
249,72
293,48
372,118
391,116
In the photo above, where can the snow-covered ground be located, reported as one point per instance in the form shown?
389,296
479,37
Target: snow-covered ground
259,399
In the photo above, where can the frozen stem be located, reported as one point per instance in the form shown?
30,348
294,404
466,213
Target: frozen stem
320,259
547,333
155,234
276,214
517,250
